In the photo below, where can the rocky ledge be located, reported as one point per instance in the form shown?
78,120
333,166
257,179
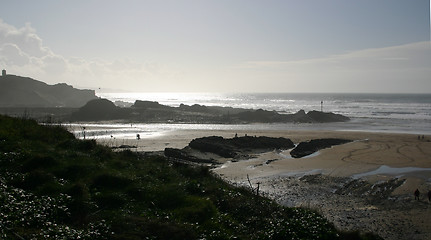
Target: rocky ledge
228,147
306,148
209,149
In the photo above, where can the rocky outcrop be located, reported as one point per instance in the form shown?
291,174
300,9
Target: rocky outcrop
306,148
208,149
148,105
16,91
99,109
260,115
301,116
149,111
241,147
231,147
194,108
323,117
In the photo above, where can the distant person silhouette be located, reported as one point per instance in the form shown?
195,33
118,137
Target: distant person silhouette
138,136
417,193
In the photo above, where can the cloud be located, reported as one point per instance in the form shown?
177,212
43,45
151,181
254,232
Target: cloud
12,55
25,37
55,64
404,68
22,52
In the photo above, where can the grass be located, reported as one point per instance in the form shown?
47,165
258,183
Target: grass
53,186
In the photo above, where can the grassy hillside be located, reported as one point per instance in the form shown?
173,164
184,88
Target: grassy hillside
53,186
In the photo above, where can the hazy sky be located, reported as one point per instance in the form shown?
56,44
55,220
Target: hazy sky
221,45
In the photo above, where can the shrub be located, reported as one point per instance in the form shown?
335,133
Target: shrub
103,153
49,189
79,211
144,228
73,172
127,153
196,210
195,187
110,200
192,172
137,194
86,145
170,231
35,179
168,196
108,181
78,191
39,162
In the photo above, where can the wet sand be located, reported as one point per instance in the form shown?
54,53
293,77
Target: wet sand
364,185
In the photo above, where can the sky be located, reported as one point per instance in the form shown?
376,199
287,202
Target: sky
377,46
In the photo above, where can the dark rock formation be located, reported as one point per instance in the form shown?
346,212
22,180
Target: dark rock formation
306,148
231,147
98,109
260,115
148,104
213,144
148,111
206,149
265,116
323,117
16,91
301,117
194,108
240,147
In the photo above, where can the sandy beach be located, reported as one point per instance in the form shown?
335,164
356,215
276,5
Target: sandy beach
364,185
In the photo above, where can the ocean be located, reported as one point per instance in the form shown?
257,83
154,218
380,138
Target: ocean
394,113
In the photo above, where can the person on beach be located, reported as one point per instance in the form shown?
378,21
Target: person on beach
138,136
417,193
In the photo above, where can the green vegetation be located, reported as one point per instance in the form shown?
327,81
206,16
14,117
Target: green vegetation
53,186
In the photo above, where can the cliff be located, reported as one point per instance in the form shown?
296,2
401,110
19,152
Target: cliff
16,91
